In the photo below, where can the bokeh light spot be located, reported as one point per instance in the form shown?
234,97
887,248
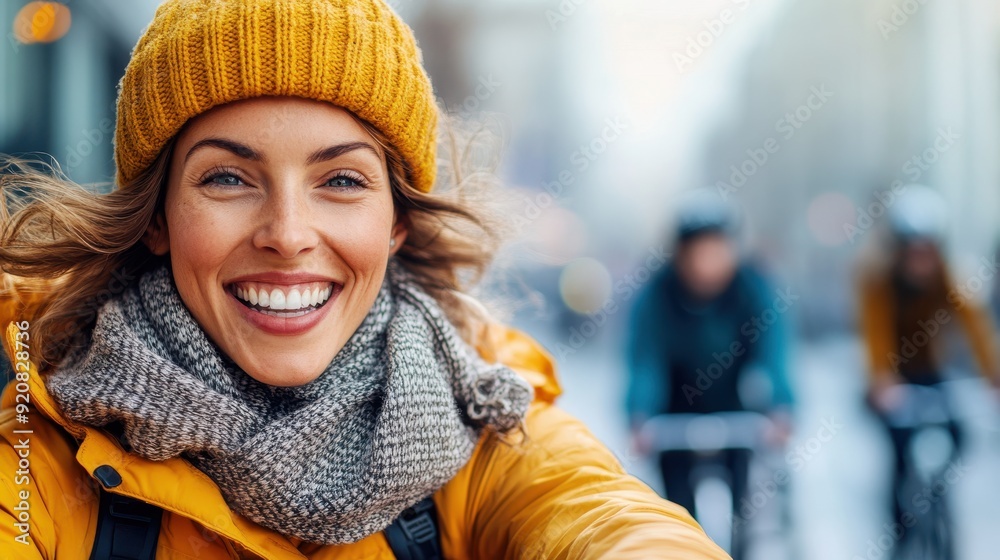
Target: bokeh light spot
585,284
41,22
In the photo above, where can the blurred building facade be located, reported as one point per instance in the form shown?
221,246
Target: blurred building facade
612,110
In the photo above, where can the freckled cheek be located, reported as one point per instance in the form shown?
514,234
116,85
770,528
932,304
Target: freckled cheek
362,242
200,242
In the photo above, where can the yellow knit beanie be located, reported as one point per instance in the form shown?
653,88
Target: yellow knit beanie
196,54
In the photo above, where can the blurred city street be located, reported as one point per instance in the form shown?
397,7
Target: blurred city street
839,493
592,123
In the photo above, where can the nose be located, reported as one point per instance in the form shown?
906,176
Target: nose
286,224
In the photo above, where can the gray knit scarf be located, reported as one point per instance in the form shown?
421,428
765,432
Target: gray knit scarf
395,415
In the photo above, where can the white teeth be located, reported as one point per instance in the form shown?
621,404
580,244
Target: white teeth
290,303
277,300
294,300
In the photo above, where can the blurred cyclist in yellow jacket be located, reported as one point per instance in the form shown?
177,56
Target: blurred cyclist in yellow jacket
907,300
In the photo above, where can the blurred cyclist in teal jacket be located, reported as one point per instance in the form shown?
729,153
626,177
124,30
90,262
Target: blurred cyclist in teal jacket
699,332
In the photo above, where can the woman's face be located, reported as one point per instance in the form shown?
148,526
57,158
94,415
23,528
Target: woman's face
920,263
278,220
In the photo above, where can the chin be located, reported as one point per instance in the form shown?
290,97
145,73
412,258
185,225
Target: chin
289,376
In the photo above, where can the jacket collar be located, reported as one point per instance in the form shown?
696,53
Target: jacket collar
170,484
167,484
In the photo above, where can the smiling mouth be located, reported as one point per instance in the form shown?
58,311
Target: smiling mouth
284,301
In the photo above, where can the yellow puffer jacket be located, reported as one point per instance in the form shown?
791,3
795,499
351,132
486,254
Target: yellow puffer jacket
560,495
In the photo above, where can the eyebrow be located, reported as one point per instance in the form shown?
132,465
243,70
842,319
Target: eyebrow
246,152
241,150
333,152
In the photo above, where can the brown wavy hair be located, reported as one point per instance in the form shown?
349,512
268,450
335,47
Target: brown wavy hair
65,249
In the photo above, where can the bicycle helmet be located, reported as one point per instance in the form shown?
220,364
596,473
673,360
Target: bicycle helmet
920,213
705,212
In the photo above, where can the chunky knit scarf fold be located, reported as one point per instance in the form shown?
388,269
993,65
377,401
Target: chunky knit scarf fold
395,415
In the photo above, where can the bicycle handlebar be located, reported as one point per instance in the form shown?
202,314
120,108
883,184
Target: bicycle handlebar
920,406
706,432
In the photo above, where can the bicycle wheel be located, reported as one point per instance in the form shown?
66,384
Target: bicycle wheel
941,531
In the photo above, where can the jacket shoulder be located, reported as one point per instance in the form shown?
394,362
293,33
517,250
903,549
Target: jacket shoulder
561,493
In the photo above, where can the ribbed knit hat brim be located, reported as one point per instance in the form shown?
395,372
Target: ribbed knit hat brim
197,54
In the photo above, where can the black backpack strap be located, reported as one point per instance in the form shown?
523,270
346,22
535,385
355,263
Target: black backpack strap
127,529
415,535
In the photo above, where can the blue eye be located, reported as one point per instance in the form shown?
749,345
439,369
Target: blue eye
223,178
346,182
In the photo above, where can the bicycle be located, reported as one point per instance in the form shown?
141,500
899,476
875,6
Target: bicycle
922,413
707,437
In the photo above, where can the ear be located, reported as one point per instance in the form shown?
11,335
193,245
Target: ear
157,238
399,233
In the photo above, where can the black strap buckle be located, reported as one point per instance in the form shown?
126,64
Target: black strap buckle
127,529
418,522
414,535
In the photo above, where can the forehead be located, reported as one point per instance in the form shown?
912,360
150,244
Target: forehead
710,240
276,122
